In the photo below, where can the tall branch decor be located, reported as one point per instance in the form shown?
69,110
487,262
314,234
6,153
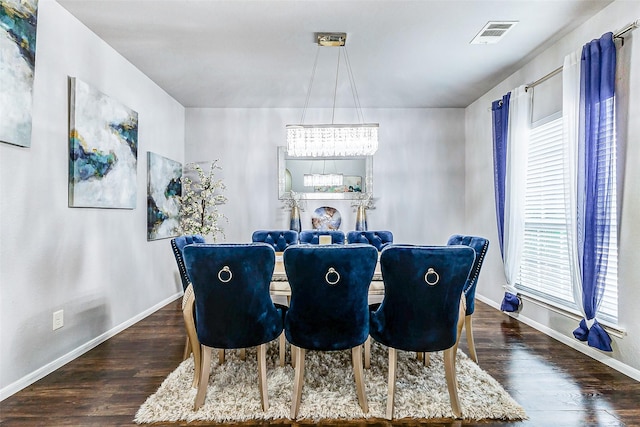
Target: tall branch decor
200,200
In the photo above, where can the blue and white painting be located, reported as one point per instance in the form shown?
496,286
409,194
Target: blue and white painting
103,150
164,187
18,19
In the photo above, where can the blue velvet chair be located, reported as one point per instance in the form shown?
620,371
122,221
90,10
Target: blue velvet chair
313,236
480,245
279,239
421,308
329,309
178,244
233,308
378,238
191,344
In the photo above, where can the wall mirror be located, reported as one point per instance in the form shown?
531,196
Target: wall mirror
357,176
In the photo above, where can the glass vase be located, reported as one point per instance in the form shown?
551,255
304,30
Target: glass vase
361,219
295,223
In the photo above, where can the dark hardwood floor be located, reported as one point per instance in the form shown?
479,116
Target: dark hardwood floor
555,384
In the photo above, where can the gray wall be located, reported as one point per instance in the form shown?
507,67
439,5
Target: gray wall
418,169
95,264
480,208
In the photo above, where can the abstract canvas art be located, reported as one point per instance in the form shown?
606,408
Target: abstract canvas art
18,19
103,149
163,190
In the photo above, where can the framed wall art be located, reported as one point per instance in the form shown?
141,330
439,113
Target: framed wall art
103,149
18,22
164,187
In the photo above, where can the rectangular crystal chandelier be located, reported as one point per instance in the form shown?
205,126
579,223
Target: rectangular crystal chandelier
323,179
333,140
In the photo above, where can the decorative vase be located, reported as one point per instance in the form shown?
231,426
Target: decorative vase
361,219
295,223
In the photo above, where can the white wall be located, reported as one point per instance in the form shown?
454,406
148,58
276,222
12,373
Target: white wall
480,207
418,169
95,264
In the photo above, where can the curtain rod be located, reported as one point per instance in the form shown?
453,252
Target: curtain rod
629,27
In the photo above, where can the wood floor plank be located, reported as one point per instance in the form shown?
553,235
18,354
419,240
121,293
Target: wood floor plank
555,384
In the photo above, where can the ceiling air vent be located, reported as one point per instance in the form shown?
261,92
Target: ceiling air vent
493,32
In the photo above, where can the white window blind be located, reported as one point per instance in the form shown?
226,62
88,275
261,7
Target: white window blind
544,270
545,259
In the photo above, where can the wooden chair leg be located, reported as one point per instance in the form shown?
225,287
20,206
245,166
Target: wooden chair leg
293,356
187,349
426,358
197,364
461,316
243,354
203,381
420,356
393,363
452,382
358,373
188,305
468,326
283,348
221,356
262,376
367,353
298,380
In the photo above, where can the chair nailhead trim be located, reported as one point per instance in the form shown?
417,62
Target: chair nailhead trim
476,273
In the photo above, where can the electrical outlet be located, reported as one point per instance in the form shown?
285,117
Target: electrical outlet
58,319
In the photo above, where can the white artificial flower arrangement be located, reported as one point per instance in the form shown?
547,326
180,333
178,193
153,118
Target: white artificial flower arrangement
199,202
363,200
294,200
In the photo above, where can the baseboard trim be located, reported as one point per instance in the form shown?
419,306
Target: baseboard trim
575,344
42,372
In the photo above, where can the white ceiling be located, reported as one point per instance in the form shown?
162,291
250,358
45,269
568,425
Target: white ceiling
211,53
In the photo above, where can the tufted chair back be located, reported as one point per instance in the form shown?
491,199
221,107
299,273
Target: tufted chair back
415,315
312,236
178,244
225,278
279,239
480,245
233,307
378,238
420,310
341,320
329,305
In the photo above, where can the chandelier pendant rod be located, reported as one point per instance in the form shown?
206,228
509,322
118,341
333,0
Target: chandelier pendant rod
335,88
354,88
313,74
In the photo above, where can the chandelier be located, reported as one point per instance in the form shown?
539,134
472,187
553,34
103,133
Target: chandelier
323,140
322,179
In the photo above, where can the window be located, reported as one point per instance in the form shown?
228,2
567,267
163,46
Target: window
545,263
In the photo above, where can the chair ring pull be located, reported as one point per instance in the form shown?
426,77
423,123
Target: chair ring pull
226,271
334,272
431,272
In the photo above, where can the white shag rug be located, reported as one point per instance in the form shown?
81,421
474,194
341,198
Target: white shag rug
329,390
